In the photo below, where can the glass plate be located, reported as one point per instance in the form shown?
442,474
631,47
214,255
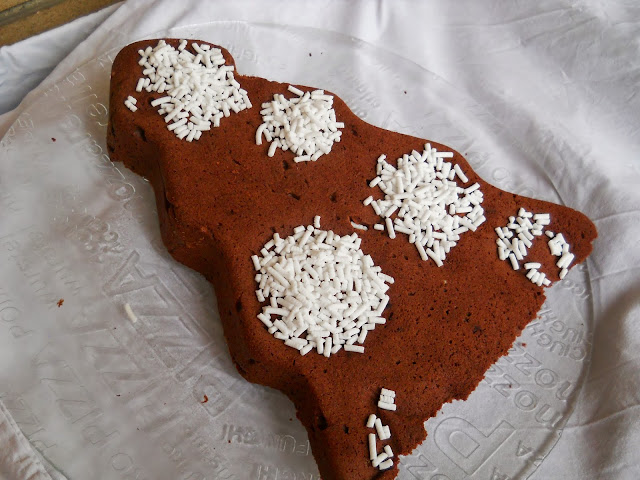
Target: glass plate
100,395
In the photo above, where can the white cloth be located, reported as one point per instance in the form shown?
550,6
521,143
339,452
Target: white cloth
25,64
557,73
18,459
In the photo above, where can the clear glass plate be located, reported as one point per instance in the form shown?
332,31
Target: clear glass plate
102,396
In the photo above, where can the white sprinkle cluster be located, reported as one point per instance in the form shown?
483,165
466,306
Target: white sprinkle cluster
305,124
130,103
423,200
516,238
560,248
381,460
323,291
199,88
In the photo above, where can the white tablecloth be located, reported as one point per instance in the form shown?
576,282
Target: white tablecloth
560,72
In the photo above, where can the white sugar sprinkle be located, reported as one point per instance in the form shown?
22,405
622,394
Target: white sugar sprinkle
379,430
130,105
514,261
130,314
295,90
371,420
379,459
386,406
200,88
389,225
354,348
322,289
388,451
373,454
388,393
424,201
460,173
358,226
272,148
305,124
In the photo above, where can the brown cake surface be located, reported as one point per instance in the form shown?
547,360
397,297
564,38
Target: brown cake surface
221,198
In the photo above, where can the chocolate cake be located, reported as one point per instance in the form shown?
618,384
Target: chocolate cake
220,199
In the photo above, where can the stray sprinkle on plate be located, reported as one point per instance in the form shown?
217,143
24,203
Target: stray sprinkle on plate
130,314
